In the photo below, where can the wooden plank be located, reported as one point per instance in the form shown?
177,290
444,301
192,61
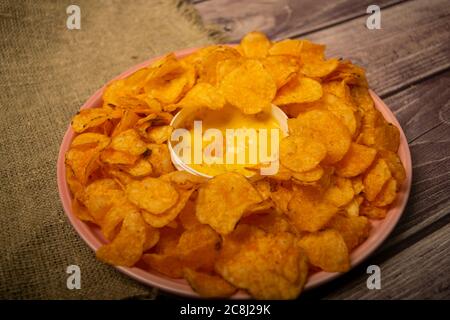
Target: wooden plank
419,108
412,44
280,18
419,272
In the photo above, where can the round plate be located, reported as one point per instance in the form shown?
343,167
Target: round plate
92,236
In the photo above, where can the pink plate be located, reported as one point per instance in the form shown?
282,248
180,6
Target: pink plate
91,235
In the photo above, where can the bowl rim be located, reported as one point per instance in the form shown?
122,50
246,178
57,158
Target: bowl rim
180,287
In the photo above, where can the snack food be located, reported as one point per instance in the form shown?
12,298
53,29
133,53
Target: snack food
338,169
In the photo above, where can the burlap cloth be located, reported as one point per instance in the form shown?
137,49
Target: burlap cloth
46,74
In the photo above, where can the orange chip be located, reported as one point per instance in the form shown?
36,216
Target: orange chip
209,62
287,47
244,263
282,69
111,222
126,249
255,45
340,192
354,230
326,250
223,200
208,286
249,87
111,156
356,161
372,212
387,195
160,159
308,211
309,176
152,195
203,95
88,118
395,165
188,217
375,179
301,154
325,127
299,90
130,142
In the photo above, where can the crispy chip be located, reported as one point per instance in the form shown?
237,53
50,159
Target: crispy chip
88,118
141,168
387,195
340,192
223,200
100,196
308,211
326,250
325,127
287,47
301,154
111,222
249,87
208,286
203,95
160,159
395,165
152,195
280,277
356,161
165,218
282,69
126,249
375,179
212,56
372,212
111,156
255,45
187,216
354,229
299,90
130,142
309,176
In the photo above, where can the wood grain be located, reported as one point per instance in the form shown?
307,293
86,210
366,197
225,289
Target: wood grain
281,18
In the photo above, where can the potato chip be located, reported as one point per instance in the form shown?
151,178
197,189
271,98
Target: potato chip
128,120
342,110
89,139
159,134
322,125
281,198
255,45
168,240
356,161
112,221
340,192
187,216
387,195
82,162
349,72
326,250
160,159
203,95
167,264
372,212
353,229
100,196
129,141
81,212
318,68
88,118
387,136
301,154
299,90
184,179
165,218
152,195
375,179
269,221
249,87
126,249
395,165
208,286
141,168
357,184
280,277
282,69
151,237
308,211
309,176
111,156
208,64
224,67
287,47
223,200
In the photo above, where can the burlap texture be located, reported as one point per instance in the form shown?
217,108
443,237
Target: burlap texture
46,74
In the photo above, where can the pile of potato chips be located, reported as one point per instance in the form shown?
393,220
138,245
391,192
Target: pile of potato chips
338,169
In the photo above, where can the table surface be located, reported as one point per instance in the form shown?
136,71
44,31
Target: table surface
408,65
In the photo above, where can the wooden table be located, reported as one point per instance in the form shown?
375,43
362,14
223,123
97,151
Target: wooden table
408,65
